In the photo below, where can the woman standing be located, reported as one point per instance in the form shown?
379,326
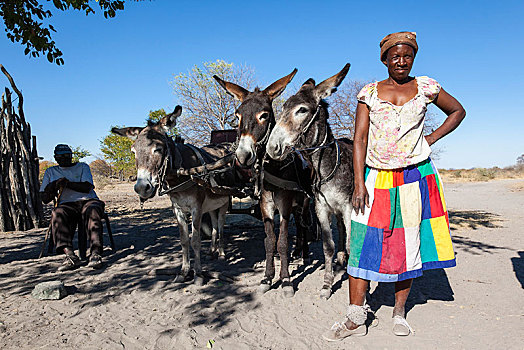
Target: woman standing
400,224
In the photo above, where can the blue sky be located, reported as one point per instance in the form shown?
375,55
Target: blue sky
117,70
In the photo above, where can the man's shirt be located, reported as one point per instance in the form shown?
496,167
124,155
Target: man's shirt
79,172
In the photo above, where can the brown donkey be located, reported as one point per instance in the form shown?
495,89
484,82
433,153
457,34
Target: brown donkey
280,188
304,125
158,158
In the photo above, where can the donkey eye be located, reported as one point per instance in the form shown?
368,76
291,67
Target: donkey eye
302,110
157,150
263,115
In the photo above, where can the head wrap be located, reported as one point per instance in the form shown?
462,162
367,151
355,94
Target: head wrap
390,40
63,149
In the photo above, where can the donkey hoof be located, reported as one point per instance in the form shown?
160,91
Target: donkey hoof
181,278
264,286
199,280
287,289
222,257
341,258
325,292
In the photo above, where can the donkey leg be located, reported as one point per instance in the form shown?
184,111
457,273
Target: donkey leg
184,242
282,247
214,232
196,244
221,221
297,252
267,207
341,245
328,246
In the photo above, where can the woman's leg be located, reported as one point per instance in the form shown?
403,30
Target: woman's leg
357,295
402,289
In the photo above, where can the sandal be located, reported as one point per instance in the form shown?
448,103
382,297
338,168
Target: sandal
71,262
401,327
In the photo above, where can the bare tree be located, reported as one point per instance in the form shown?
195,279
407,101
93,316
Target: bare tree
343,107
206,105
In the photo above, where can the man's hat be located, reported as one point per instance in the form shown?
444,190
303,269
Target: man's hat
63,149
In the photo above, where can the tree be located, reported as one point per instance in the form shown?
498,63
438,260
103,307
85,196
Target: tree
79,153
206,105
155,116
117,152
100,167
343,107
24,22
520,160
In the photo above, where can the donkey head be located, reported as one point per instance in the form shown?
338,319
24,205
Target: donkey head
299,113
255,115
150,149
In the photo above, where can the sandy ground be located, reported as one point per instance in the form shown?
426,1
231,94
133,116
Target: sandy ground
478,304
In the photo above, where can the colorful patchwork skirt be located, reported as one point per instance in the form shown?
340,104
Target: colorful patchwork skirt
406,229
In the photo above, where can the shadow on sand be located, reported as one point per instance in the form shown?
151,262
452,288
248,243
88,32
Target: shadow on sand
145,240
518,267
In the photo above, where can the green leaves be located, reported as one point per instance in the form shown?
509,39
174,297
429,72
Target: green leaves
24,22
117,151
79,153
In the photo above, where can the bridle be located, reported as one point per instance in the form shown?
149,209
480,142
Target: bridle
309,151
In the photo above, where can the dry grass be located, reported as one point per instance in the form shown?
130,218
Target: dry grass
482,174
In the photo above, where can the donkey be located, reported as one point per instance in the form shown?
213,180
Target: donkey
279,188
157,159
303,125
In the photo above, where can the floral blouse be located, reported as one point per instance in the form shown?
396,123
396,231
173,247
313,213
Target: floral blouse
395,138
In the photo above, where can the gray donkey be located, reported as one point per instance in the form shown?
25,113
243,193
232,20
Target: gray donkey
158,158
280,187
303,126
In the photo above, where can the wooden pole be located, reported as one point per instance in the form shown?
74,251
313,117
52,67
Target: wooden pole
20,207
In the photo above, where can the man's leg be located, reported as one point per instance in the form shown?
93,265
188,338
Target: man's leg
63,224
92,213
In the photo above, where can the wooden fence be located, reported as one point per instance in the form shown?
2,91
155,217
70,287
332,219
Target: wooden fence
20,205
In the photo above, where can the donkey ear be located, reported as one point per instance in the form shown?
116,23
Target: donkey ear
234,90
275,89
310,82
131,132
329,86
169,120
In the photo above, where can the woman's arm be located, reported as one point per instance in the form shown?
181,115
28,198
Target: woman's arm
455,112
360,144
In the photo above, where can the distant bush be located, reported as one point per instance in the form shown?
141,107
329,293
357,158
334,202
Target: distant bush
484,174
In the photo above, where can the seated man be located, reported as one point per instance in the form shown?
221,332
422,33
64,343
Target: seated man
71,184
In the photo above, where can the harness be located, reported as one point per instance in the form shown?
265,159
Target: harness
168,163
317,182
261,175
